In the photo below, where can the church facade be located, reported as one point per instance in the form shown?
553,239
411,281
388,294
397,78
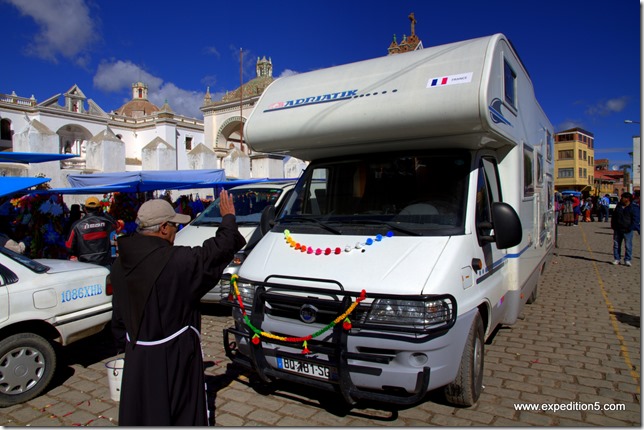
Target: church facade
137,136
142,136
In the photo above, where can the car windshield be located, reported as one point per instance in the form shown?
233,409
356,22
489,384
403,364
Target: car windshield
249,203
409,194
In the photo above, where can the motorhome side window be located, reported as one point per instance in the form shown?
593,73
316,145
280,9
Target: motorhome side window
528,172
420,194
487,192
510,82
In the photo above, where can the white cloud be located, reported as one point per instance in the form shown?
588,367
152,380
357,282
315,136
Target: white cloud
118,76
183,102
211,50
65,28
568,124
288,72
607,107
115,76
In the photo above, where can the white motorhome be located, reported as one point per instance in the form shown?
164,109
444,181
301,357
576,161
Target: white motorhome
423,222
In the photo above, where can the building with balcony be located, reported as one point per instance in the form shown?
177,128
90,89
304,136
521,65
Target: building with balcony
575,161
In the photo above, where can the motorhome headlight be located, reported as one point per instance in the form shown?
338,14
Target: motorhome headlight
410,312
247,294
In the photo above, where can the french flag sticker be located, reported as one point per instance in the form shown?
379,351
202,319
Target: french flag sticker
462,78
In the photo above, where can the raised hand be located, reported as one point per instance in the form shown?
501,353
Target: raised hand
226,206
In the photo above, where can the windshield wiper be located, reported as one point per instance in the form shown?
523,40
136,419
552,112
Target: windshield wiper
388,224
206,223
314,220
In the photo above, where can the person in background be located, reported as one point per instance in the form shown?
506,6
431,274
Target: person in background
624,221
603,203
587,209
568,212
156,317
89,238
576,208
74,215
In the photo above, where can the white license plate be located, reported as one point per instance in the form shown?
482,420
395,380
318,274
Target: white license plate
303,367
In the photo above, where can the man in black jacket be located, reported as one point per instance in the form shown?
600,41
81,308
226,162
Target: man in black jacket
89,239
623,222
157,291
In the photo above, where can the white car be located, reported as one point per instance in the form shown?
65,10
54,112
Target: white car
613,200
249,200
45,302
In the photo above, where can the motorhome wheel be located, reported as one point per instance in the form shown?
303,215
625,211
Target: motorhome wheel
467,387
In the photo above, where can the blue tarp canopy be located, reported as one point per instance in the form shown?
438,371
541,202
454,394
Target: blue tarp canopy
144,180
151,180
12,184
32,157
571,193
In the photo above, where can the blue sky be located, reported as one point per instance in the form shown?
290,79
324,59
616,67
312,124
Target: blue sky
583,56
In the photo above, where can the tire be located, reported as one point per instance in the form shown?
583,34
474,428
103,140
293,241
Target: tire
533,296
468,385
27,365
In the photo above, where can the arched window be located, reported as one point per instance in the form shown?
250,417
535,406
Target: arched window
5,133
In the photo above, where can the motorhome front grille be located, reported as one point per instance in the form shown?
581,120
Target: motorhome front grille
308,309
395,315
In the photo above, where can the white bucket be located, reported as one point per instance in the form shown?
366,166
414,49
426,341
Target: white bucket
114,377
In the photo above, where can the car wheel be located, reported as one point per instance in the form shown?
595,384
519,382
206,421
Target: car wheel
27,364
466,388
533,296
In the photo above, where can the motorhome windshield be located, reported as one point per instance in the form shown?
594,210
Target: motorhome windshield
412,194
249,203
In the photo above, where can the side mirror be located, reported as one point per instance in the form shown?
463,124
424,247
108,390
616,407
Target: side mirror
507,225
267,221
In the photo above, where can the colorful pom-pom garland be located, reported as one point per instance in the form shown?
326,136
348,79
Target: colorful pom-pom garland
258,333
359,246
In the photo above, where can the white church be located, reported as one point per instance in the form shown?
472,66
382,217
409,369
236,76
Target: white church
138,135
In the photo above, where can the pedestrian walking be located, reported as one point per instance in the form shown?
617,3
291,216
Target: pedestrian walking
586,208
568,211
156,317
89,237
576,207
624,222
603,203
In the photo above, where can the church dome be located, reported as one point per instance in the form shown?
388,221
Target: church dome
251,88
254,87
139,106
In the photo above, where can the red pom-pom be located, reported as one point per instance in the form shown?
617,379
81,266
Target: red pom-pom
255,340
346,325
327,251
338,250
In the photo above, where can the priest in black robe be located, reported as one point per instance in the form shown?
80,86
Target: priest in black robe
157,291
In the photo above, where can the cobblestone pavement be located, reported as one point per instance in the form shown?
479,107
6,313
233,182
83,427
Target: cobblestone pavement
577,349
